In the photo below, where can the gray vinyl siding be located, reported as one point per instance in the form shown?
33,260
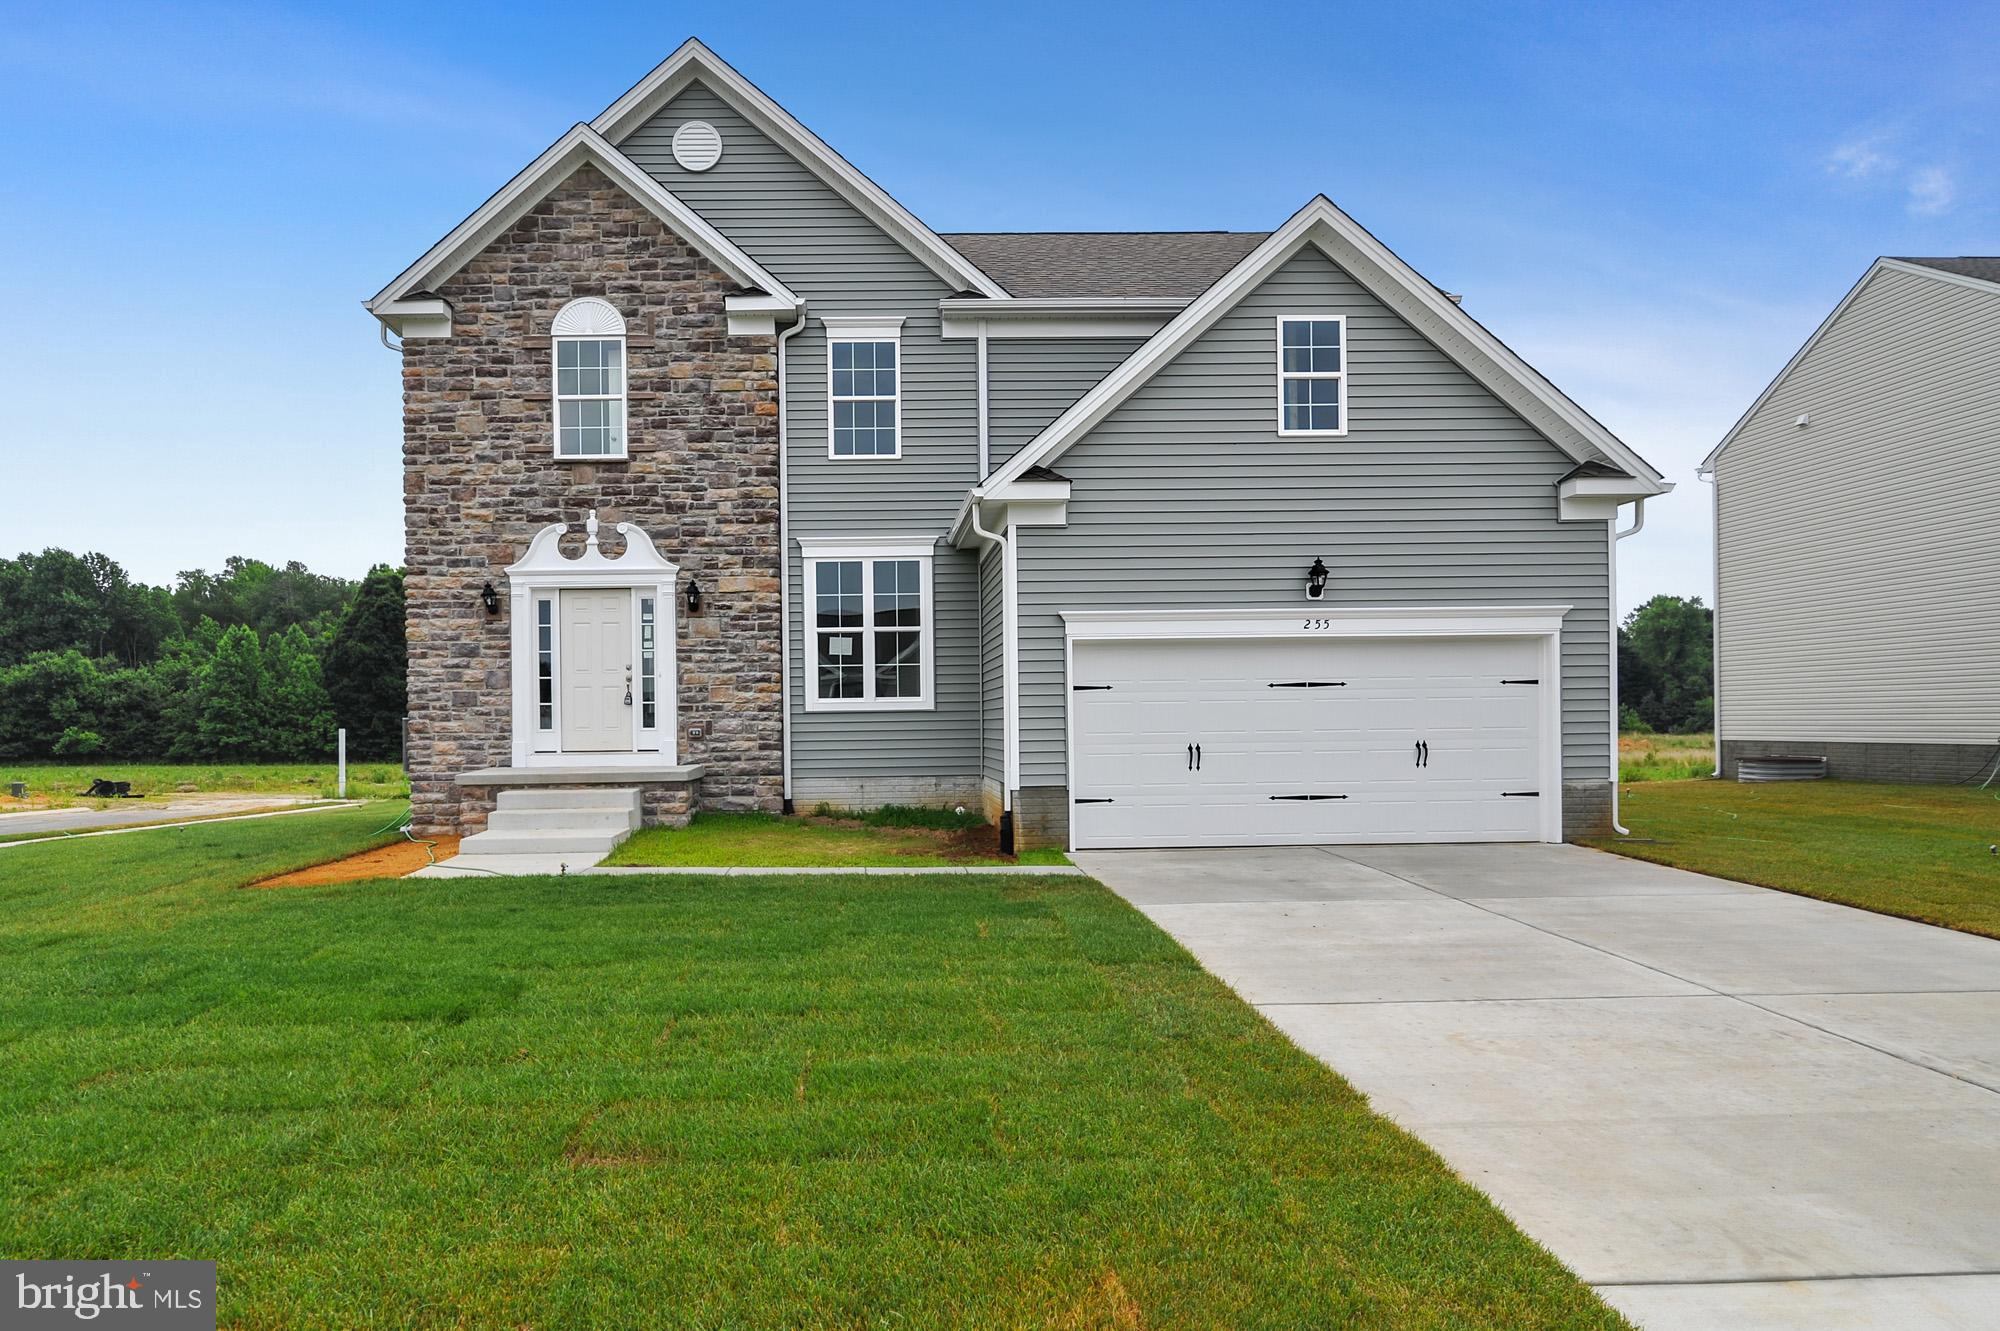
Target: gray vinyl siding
841,263
993,667
1187,498
1858,580
1031,381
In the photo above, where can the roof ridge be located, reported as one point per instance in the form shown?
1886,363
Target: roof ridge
1208,231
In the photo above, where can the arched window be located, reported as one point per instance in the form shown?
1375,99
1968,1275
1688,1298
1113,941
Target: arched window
590,380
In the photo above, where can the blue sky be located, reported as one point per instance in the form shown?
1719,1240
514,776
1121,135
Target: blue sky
1654,207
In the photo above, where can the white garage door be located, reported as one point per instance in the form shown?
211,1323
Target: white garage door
1232,742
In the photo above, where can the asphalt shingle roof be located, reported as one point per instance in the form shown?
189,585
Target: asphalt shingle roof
1164,265
1985,268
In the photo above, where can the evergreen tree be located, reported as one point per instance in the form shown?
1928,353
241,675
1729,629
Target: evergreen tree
366,662
234,697
299,718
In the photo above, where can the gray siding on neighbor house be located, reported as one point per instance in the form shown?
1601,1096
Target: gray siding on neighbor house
992,668
1859,586
841,263
1187,498
1031,381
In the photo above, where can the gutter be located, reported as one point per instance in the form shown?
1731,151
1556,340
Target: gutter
995,541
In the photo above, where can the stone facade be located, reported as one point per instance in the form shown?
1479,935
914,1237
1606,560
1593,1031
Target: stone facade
1586,809
480,478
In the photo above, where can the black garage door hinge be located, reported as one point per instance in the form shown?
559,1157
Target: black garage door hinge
1310,684
1520,681
1524,794
1086,688
1105,800
1308,797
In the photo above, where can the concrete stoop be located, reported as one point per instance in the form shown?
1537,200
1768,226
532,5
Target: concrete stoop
545,831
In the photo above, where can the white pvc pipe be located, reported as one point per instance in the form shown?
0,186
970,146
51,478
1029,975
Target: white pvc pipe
340,788
1611,525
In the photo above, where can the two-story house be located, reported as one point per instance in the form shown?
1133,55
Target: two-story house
730,481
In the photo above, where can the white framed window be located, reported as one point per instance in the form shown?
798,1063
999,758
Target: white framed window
590,378
864,372
868,613
1312,374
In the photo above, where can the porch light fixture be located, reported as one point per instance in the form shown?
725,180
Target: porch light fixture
490,599
694,597
1316,579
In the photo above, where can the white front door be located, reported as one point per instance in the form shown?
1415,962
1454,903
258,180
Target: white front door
597,670
1232,742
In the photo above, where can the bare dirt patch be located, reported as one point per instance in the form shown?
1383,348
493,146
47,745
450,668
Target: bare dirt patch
395,860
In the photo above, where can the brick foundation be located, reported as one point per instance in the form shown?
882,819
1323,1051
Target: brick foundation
480,479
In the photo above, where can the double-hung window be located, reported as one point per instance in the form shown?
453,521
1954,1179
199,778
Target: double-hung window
864,381
1312,374
589,380
869,612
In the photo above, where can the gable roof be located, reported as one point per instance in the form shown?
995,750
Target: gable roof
1985,268
1979,273
1390,280
693,62
1172,265
581,146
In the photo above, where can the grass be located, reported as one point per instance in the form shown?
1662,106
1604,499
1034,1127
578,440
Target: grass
1665,757
700,1103
55,785
1921,852
883,838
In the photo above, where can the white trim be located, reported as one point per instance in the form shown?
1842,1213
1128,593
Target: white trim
785,675
865,551
581,146
544,571
416,317
1055,317
694,61
849,330
1447,621
1826,326
985,447
588,317
1451,621
1339,376
1398,286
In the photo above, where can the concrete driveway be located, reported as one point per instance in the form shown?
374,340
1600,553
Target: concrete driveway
1722,1106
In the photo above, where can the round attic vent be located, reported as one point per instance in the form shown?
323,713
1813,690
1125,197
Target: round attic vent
697,145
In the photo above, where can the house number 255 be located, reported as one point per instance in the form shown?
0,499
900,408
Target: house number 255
1317,625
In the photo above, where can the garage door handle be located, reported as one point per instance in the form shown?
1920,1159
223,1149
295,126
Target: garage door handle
1197,757
1105,800
1308,797
1310,684
1520,794
1190,757
1425,745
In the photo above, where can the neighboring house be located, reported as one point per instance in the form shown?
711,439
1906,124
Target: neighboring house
729,480
1857,511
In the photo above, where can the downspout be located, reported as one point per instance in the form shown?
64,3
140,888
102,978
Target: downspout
996,542
983,459
1611,525
785,568
1715,607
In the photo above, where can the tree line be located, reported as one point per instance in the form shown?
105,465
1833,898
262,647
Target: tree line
257,662
1666,667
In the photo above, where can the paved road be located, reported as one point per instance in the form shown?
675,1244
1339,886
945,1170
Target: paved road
1722,1106
124,813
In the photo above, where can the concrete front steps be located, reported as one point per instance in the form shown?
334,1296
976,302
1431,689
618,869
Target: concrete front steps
545,831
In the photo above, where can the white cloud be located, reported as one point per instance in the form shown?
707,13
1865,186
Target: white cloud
1932,192
1861,158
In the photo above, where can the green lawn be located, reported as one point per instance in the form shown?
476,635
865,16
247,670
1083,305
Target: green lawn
726,840
1665,757
59,782
1917,851
717,1103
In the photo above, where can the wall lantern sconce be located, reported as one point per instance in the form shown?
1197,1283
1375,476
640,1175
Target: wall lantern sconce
490,599
694,597
1316,579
